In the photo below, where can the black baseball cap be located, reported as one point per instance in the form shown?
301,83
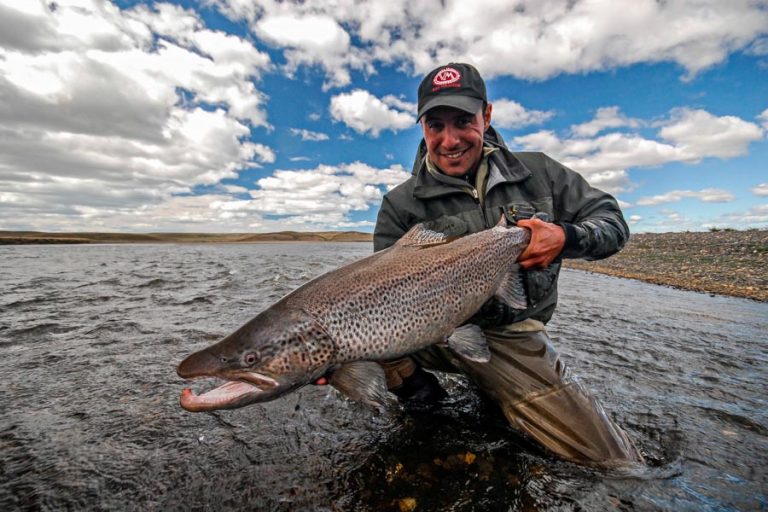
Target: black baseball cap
455,85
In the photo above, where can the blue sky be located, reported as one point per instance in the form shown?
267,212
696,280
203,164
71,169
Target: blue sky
257,115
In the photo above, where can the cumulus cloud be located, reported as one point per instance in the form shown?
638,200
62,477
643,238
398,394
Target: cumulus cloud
761,189
511,114
321,197
606,117
527,39
399,104
697,134
757,216
365,113
309,40
763,118
708,195
687,136
104,110
309,135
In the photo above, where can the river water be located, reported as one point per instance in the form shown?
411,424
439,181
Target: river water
89,415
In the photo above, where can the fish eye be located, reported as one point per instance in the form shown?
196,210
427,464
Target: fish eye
251,358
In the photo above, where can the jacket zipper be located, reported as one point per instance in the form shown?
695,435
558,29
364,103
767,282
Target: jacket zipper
476,196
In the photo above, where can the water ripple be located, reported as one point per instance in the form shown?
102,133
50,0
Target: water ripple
90,417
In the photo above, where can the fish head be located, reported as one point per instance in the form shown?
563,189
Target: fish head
275,353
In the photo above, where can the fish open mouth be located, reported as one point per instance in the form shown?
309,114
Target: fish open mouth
240,389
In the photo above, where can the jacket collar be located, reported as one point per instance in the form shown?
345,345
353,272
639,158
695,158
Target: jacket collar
504,167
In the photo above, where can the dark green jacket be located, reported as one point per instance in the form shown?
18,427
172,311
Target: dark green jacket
519,185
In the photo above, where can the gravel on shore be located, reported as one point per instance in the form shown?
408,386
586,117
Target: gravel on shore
726,262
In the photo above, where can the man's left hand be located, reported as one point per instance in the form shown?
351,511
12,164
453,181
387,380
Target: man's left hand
547,242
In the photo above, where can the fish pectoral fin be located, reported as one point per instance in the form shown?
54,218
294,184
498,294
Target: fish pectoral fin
469,342
511,290
362,381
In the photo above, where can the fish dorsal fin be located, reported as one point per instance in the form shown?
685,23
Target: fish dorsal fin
420,236
511,290
469,342
362,381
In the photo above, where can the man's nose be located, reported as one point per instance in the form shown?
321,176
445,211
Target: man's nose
450,137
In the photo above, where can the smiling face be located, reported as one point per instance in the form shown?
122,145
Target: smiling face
455,138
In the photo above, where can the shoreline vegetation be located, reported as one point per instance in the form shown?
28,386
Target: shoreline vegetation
724,262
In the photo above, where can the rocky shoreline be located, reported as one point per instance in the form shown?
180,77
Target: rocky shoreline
726,262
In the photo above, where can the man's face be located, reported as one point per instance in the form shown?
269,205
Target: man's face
455,138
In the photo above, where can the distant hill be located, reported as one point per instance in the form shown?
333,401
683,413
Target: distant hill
39,237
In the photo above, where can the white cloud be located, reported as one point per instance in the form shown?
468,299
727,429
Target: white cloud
755,217
687,136
763,118
510,114
698,134
321,197
105,110
606,117
364,112
312,39
761,189
759,47
634,219
708,195
309,135
399,104
526,39
234,189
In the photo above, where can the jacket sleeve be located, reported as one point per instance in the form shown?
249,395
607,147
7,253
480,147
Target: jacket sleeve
593,223
389,226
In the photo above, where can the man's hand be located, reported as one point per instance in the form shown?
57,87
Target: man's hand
547,242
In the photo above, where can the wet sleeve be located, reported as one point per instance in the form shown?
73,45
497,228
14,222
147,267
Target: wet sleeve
389,226
593,223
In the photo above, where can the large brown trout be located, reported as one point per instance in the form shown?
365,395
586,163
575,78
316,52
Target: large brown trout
414,294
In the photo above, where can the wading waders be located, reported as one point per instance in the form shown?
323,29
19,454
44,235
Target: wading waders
536,392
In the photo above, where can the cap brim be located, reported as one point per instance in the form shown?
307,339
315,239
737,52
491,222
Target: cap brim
468,104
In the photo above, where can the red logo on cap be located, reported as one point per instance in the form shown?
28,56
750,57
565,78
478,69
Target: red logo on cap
446,77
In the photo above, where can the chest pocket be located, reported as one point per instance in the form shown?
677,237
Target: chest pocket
518,210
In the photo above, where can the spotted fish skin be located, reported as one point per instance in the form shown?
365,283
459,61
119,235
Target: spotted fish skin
408,297
394,302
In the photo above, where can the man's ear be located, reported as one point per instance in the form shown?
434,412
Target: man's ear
487,115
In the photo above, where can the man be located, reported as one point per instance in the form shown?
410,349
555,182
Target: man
464,178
